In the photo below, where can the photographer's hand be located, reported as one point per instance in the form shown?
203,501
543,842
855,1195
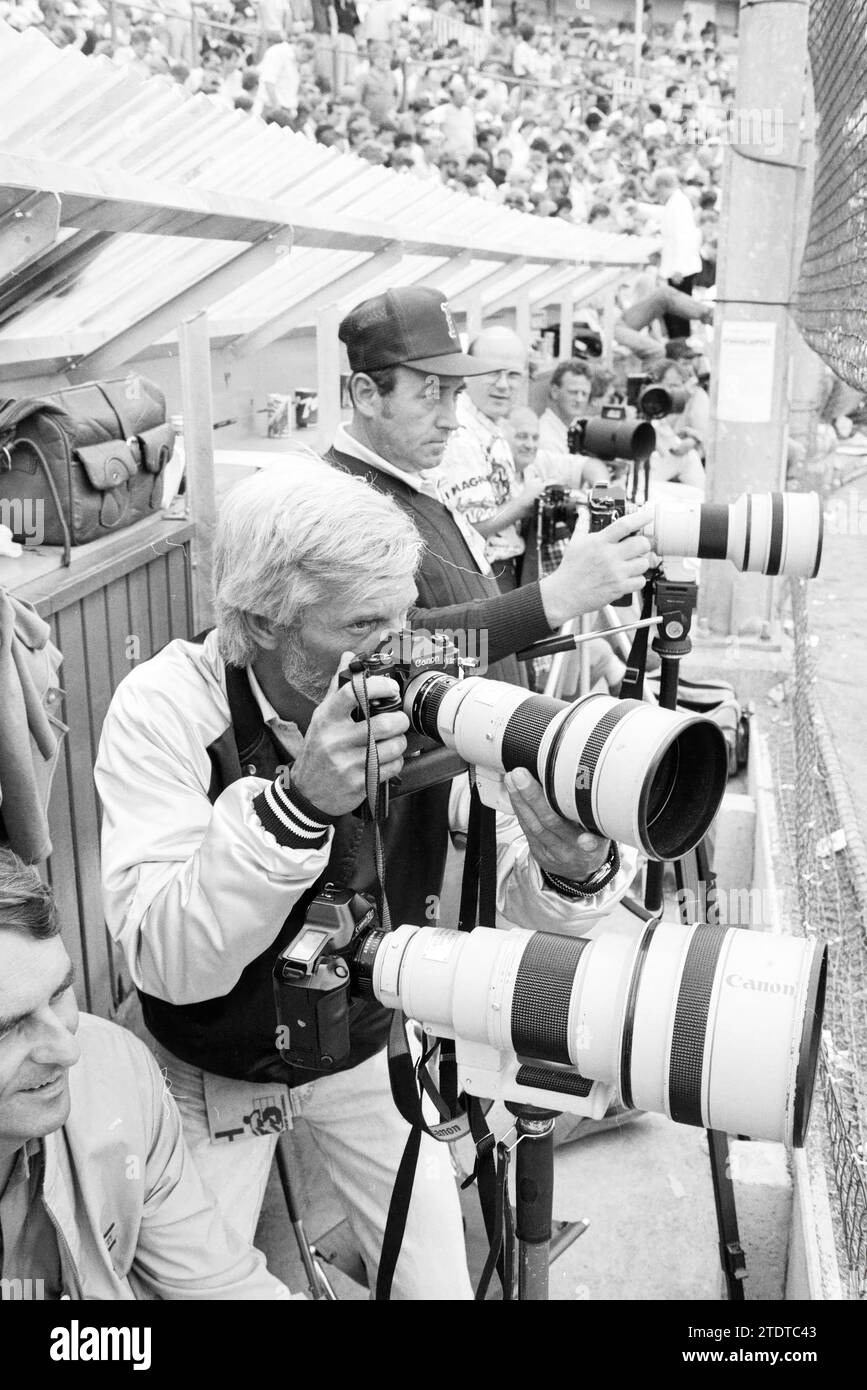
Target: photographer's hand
557,845
330,769
596,569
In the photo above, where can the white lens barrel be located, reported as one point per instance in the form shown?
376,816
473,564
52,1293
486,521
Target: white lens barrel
761,532
715,1027
603,763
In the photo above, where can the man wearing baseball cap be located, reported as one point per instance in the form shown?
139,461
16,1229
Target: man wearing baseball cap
408,370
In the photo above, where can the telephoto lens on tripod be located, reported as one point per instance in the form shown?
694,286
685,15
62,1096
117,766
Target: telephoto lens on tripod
761,533
611,439
627,770
653,401
714,1027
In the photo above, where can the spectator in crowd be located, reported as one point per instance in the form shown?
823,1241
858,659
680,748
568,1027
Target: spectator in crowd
681,243
279,78
477,478
569,397
457,121
90,1138
377,89
524,55
676,458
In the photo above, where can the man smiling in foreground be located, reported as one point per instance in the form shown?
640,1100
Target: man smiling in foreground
98,1195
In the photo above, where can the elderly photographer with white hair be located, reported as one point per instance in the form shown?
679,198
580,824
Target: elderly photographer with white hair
228,769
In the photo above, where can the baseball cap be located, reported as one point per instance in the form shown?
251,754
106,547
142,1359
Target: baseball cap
407,327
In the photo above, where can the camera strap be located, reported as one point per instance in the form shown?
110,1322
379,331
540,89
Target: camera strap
632,685
411,1082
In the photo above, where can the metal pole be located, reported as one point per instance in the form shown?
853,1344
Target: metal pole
534,1193
486,18
639,37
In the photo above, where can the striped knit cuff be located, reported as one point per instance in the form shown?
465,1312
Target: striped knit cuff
294,821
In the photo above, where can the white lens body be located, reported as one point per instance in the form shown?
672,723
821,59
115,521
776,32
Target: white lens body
676,531
475,713
752,1034
750,1039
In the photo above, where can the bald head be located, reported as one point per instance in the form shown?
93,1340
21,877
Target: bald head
496,393
523,432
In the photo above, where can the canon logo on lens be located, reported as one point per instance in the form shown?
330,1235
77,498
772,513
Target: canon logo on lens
763,986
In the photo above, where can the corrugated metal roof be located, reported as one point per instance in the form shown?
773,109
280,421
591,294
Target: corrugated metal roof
96,132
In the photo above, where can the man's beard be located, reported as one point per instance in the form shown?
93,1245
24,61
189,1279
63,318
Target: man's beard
299,671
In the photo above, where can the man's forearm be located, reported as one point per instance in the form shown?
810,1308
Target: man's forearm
511,621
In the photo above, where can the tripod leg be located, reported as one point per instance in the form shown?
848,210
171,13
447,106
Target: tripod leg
319,1285
534,1190
696,884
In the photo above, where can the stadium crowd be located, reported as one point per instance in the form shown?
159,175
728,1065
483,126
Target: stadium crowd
549,119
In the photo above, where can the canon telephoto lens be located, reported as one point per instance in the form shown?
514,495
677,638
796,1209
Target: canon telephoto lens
657,401
716,1027
762,532
627,770
612,439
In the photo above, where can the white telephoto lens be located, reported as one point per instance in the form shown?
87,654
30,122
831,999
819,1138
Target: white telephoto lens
714,1027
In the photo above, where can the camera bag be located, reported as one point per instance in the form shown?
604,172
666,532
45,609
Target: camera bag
86,460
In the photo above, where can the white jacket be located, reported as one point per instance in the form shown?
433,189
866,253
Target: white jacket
194,892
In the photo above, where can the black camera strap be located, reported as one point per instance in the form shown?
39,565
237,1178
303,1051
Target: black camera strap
632,685
410,1083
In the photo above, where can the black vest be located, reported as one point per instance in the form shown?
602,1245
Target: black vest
236,1035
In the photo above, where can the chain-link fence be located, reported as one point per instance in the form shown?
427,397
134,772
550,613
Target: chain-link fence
831,302
825,848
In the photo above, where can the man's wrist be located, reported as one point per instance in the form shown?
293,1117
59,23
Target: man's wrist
553,601
293,820
591,885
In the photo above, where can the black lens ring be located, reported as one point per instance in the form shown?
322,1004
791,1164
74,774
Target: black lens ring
590,756
821,539
808,1055
689,1034
629,1017
775,550
542,994
749,530
525,730
427,700
551,760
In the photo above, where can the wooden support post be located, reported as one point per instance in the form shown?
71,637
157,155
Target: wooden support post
524,330
328,369
474,316
195,359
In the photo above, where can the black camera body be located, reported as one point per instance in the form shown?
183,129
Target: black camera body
558,512
402,657
315,975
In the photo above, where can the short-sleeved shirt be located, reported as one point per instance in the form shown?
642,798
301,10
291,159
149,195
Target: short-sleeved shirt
478,476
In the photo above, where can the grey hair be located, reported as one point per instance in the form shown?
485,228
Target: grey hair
26,903
301,533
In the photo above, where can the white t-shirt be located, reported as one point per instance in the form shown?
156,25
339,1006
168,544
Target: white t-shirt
279,70
681,238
